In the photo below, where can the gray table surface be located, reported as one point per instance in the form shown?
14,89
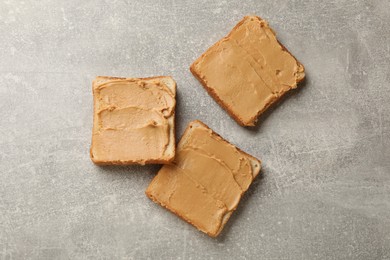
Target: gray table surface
325,186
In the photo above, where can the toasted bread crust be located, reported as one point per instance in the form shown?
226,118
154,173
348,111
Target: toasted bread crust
166,160
162,161
214,95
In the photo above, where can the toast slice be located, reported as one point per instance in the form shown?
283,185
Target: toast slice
248,70
134,120
206,180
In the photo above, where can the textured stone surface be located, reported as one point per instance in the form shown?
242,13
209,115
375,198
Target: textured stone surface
325,187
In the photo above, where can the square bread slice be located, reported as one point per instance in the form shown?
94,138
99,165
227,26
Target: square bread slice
206,180
248,70
133,120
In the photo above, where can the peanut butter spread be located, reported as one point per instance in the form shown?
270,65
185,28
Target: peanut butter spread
249,69
131,120
206,180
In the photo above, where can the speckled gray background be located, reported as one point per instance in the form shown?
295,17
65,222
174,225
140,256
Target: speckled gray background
325,186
